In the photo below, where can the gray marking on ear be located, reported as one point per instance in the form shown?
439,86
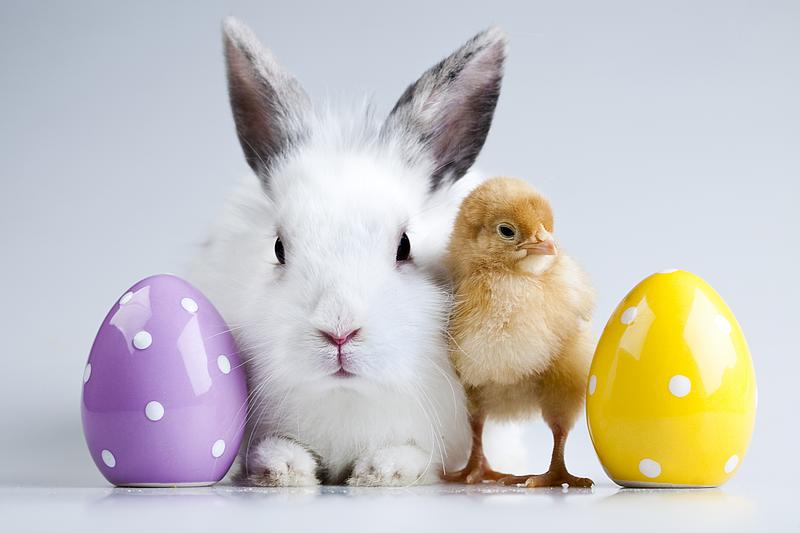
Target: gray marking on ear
449,110
270,108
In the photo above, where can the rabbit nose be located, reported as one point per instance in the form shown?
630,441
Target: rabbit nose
339,340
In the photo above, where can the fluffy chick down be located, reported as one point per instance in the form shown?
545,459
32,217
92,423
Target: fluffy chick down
520,335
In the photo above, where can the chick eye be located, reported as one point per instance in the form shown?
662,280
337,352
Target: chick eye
506,231
279,253
403,249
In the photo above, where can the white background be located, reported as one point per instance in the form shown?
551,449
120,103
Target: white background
666,134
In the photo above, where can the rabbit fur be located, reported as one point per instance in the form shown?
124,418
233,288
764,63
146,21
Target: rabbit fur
339,192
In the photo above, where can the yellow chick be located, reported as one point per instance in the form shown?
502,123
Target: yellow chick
520,338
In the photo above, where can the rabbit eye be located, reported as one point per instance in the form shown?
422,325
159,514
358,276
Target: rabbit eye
404,248
506,231
279,253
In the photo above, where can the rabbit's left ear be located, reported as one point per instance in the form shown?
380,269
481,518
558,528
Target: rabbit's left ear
449,109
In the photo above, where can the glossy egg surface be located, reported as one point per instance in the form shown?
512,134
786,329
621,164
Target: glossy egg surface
164,392
671,396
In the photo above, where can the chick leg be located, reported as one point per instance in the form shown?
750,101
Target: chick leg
560,394
557,475
477,469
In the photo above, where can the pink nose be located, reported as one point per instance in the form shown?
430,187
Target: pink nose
339,340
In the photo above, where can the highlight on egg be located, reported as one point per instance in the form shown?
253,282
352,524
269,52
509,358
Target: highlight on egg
671,394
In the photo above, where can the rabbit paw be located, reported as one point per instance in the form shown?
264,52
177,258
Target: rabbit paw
396,466
280,462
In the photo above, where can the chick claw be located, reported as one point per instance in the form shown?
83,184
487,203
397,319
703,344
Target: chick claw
557,475
477,469
551,478
475,473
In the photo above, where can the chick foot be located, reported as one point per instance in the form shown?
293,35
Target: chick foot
557,475
477,469
475,472
551,478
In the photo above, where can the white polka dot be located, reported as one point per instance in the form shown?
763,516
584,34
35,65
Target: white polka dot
126,298
731,464
218,448
592,384
628,316
108,458
649,468
224,364
154,411
668,271
142,340
680,385
189,304
722,324
87,372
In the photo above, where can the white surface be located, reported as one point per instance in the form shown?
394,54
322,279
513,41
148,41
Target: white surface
665,133
437,508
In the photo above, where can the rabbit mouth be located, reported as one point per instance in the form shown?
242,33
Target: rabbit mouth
342,373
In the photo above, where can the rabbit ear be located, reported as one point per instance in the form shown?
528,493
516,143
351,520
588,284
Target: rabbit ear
450,108
269,106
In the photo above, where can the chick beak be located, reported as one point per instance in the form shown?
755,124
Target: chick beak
541,243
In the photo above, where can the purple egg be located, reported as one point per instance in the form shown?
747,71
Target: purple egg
164,391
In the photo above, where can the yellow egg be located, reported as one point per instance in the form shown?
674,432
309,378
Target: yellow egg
671,396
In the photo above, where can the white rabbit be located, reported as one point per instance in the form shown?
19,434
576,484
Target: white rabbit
324,265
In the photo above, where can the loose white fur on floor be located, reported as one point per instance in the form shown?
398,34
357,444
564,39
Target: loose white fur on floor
340,194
